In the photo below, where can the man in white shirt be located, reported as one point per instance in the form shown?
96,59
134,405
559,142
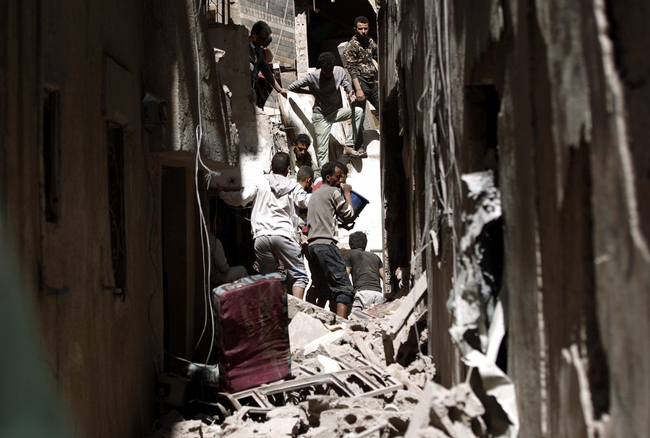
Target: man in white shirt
275,198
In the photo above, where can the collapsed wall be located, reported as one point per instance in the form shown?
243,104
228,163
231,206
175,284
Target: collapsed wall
547,96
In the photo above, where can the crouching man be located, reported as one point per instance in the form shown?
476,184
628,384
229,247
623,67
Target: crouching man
367,272
327,263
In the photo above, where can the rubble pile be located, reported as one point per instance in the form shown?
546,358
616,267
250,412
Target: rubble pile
342,386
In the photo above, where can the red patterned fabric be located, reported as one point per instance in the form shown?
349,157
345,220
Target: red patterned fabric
253,336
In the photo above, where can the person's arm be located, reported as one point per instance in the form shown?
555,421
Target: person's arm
301,197
297,86
220,261
267,72
353,59
344,207
346,260
381,273
359,94
239,198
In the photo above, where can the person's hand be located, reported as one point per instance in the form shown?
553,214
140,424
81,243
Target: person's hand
345,226
347,189
351,96
283,92
360,96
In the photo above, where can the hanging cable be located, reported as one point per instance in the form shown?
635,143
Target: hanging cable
277,45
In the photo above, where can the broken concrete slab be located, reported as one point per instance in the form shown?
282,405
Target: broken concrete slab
320,403
304,329
329,365
341,422
455,411
366,350
329,338
400,323
297,305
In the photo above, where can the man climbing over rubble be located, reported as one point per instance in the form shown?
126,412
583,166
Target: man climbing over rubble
300,155
260,33
325,84
328,266
367,271
360,56
275,198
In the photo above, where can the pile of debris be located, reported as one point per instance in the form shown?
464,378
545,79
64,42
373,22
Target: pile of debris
361,377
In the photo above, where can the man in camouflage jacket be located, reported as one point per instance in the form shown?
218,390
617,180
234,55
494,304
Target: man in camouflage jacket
360,56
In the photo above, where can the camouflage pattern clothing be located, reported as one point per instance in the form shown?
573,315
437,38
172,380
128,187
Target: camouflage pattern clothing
358,57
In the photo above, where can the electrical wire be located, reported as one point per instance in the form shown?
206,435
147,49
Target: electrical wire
277,45
205,240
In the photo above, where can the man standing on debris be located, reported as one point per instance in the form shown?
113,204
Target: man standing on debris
360,56
300,155
325,84
260,33
275,198
328,266
367,271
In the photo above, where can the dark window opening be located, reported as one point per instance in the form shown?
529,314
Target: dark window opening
115,143
482,106
50,156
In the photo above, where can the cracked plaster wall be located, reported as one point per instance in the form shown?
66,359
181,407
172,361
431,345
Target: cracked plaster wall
101,58
571,78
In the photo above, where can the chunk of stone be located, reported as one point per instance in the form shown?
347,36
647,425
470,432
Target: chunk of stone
304,329
297,306
457,412
329,364
322,341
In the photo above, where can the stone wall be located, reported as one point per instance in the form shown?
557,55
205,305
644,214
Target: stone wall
279,14
548,96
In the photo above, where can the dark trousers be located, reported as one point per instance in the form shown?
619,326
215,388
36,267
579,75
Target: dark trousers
372,95
371,91
328,268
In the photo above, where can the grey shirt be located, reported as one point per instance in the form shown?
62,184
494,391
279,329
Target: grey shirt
324,205
326,91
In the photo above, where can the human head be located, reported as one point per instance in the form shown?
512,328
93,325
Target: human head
259,33
267,42
305,177
280,163
301,144
326,63
358,240
331,173
344,172
361,27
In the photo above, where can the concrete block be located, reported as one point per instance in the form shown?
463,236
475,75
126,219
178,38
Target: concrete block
304,329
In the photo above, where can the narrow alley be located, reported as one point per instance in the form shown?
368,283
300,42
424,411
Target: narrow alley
318,218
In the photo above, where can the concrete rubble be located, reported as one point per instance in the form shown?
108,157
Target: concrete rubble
342,386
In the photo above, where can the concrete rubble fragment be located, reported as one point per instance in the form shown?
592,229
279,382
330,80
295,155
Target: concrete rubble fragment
473,297
404,318
304,329
342,386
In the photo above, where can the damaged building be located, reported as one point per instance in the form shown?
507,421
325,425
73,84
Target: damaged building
506,177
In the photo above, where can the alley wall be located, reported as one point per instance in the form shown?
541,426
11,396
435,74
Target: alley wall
80,186
549,97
